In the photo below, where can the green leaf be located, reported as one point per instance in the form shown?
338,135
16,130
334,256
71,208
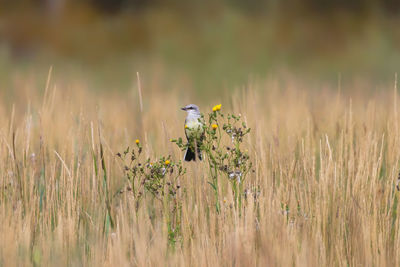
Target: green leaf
213,186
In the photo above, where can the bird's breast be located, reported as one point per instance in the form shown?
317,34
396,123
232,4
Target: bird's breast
193,129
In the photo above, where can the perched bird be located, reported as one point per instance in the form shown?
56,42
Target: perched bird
194,132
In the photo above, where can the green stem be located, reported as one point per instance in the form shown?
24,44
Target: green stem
240,198
217,207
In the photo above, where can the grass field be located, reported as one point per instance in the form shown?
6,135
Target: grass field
322,193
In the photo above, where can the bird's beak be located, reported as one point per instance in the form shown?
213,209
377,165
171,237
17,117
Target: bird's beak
184,108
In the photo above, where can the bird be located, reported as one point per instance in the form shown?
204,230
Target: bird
194,132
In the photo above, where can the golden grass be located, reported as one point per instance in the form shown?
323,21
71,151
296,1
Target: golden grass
325,165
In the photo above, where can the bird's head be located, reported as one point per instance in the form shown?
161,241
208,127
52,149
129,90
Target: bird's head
191,108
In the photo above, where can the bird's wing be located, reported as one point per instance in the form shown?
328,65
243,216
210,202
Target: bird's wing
184,127
204,132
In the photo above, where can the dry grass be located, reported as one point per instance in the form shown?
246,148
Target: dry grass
325,164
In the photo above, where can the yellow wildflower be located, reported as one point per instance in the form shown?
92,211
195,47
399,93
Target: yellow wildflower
167,162
186,126
214,126
217,107
137,141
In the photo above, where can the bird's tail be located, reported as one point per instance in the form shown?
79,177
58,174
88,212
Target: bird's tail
191,155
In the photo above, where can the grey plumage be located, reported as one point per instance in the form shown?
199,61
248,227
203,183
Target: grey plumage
194,132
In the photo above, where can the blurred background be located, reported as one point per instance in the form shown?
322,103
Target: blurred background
206,46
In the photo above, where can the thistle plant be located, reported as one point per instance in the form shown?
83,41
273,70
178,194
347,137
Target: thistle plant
228,157
158,179
223,147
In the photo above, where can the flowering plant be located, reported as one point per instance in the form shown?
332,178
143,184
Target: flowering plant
222,146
